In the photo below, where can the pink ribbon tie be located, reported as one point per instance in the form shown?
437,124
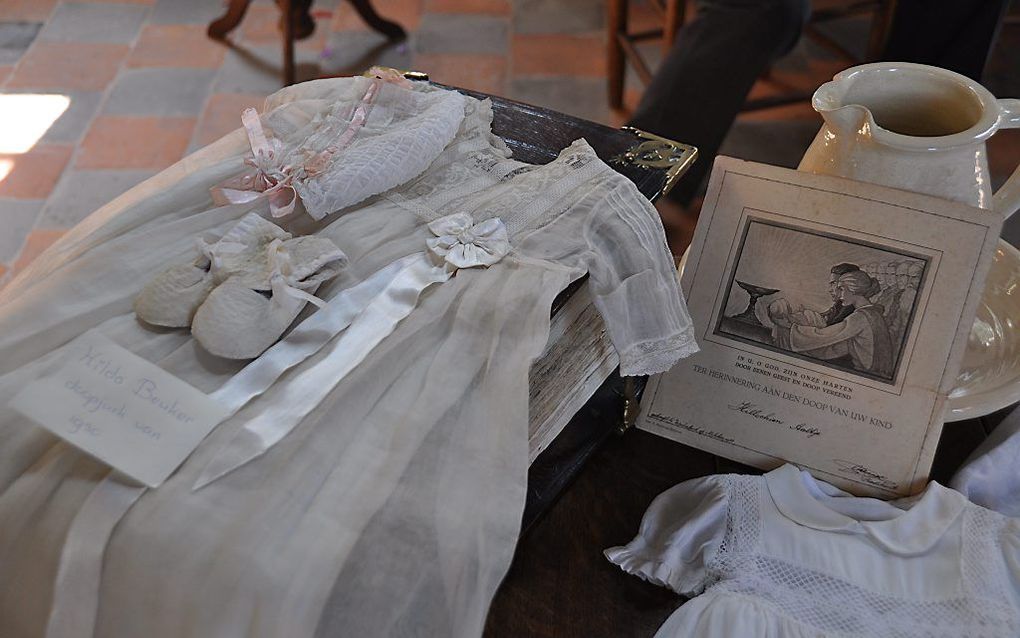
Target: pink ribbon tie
274,180
268,178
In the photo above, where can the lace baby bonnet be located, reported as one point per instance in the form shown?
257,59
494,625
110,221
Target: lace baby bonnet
377,133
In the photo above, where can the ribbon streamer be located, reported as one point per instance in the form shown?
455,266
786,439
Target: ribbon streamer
305,340
270,178
76,590
458,243
308,389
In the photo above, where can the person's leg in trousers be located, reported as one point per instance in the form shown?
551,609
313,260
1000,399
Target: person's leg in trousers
953,34
699,88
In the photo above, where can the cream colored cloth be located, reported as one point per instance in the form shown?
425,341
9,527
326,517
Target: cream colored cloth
393,505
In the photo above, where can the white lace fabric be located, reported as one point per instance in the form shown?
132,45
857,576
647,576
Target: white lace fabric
657,356
547,210
377,136
393,505
756,572
404,132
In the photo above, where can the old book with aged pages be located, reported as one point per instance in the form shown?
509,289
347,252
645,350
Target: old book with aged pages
573,383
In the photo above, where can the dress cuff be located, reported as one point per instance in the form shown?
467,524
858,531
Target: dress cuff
659,355
637,561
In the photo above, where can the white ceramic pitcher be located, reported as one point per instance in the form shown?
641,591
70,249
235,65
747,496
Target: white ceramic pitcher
915,127
923,129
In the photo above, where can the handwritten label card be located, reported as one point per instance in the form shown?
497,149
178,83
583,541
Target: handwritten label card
121,409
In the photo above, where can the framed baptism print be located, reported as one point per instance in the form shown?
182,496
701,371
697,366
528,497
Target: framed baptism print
832,316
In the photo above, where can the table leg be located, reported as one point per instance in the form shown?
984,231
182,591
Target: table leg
390,29
287,10
220,27
304,23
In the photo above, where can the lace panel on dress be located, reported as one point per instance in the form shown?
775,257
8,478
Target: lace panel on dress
486,185
743,526
654,357
838,607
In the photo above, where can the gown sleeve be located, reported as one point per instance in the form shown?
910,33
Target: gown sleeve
679,535
635,285
989,477
1011,552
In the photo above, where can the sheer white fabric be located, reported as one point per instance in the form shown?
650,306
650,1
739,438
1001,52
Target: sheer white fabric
990,477
373,136
402,135
393,506
785,555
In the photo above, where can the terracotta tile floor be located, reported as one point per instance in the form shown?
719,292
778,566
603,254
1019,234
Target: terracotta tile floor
99,72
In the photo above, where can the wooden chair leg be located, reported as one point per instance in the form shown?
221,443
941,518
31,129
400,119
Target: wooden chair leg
289,76
388,28
221,26
881,24
674,19
616,27
304,23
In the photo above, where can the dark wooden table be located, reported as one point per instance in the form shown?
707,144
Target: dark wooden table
589,489
561,586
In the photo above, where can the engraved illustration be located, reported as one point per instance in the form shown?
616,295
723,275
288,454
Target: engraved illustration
820,297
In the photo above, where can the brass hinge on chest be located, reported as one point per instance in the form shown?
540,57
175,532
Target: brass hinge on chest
653,152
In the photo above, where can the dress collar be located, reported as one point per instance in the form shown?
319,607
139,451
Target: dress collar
910,529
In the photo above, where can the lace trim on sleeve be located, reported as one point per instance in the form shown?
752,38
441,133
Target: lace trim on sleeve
653,357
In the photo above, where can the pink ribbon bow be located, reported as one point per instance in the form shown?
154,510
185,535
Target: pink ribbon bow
389,75
269,177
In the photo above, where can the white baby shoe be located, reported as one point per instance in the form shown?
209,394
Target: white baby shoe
249,311
173,296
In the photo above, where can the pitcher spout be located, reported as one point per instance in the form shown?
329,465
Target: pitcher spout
848,119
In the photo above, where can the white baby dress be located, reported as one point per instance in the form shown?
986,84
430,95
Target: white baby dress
990,476
785,556
385,497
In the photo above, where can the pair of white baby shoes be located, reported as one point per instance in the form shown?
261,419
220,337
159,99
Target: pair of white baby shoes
242,291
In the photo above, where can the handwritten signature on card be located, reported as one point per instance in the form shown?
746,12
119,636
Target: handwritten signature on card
120,408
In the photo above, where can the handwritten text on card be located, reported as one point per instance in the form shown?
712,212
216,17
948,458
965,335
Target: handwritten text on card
121,409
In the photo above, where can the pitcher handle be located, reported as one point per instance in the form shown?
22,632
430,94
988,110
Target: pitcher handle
1007,199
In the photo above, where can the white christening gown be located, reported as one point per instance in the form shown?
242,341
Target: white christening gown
372,487
786,556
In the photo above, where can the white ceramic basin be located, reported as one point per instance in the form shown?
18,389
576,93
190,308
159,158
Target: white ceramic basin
989,378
